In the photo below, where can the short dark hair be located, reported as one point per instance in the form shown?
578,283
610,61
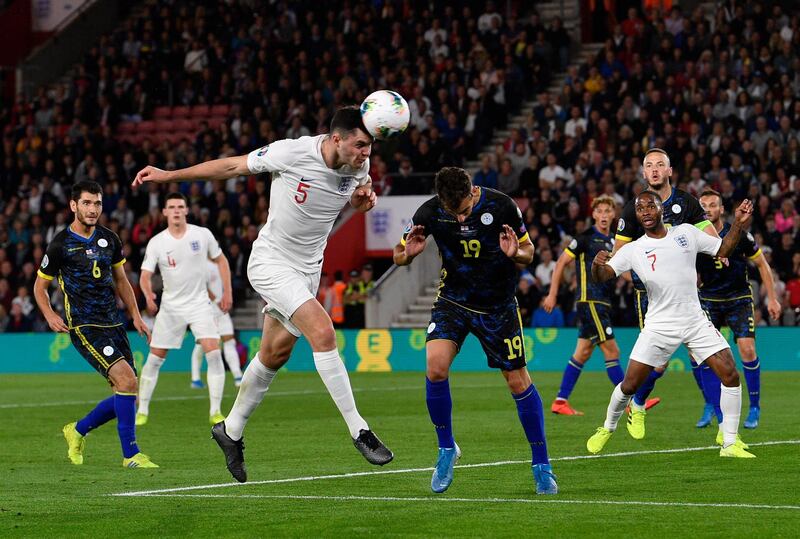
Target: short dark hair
652,194
85,186
176,194
710,193
346,120
452,185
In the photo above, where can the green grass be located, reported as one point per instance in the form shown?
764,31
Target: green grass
297,432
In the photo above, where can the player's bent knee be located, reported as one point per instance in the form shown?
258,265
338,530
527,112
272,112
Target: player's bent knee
747,350
437,371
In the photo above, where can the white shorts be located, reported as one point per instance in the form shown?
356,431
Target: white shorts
284,289
655,347
170,326
222,320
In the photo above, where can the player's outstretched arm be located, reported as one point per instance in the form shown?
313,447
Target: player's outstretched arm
125,291
364,198
742,217
601,271
218,169
555,282
773,305
55,322
414,245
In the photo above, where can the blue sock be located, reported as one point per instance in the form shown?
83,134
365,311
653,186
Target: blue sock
570,378
614,371
698,379
752,375
125,406
711,389
531,415
100,415
640,398
440,408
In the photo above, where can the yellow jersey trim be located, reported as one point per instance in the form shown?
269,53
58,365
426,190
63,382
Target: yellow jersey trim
44,276
756,255
601,333
570,253
120,263
622,238
459,305
583,277
524,238
747,296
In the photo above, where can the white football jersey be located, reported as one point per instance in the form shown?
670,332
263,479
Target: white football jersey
305,198
666,266
214,281
183,266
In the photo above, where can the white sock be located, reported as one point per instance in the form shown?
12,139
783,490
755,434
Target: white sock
619,401
197,362
215,377
232,358
334,375
730,401
148,381
255,383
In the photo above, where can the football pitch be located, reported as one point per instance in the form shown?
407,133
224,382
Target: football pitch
306,479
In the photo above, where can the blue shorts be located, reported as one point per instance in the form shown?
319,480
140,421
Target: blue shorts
594,322
738,314
102,347
500,332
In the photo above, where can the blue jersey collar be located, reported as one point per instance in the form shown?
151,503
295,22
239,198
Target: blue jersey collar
81,238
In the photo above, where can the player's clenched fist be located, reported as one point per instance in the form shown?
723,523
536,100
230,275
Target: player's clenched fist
601,258
150,174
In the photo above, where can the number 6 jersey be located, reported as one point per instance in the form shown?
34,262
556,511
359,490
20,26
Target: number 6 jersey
83,267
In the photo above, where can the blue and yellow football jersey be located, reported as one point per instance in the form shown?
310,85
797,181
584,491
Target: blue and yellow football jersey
583,249
83,267
476,273
721,281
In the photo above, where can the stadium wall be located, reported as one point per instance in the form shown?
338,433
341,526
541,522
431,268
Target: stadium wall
383,350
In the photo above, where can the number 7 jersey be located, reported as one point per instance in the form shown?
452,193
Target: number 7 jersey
306,197
476,273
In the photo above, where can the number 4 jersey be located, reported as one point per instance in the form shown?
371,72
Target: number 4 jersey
84,268
476,273
305,199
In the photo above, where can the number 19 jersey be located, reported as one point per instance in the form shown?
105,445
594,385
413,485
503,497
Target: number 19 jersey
306,197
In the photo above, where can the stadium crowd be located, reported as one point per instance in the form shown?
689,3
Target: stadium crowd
179,83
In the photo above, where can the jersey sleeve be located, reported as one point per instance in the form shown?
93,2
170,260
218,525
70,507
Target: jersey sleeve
214,249
421,217
695,214
117,257
628,228
513,218
576,246
621,261
150,256
750,247
51,261
279,155
706,243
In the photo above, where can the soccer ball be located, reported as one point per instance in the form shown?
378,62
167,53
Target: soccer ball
385,114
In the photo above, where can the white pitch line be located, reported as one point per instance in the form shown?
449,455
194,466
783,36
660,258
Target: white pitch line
271,393
415,470
479,500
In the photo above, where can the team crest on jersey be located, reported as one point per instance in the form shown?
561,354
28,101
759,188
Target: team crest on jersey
487,218
344,183
262,151
621,224
676,209
195,246
102,242
682,241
